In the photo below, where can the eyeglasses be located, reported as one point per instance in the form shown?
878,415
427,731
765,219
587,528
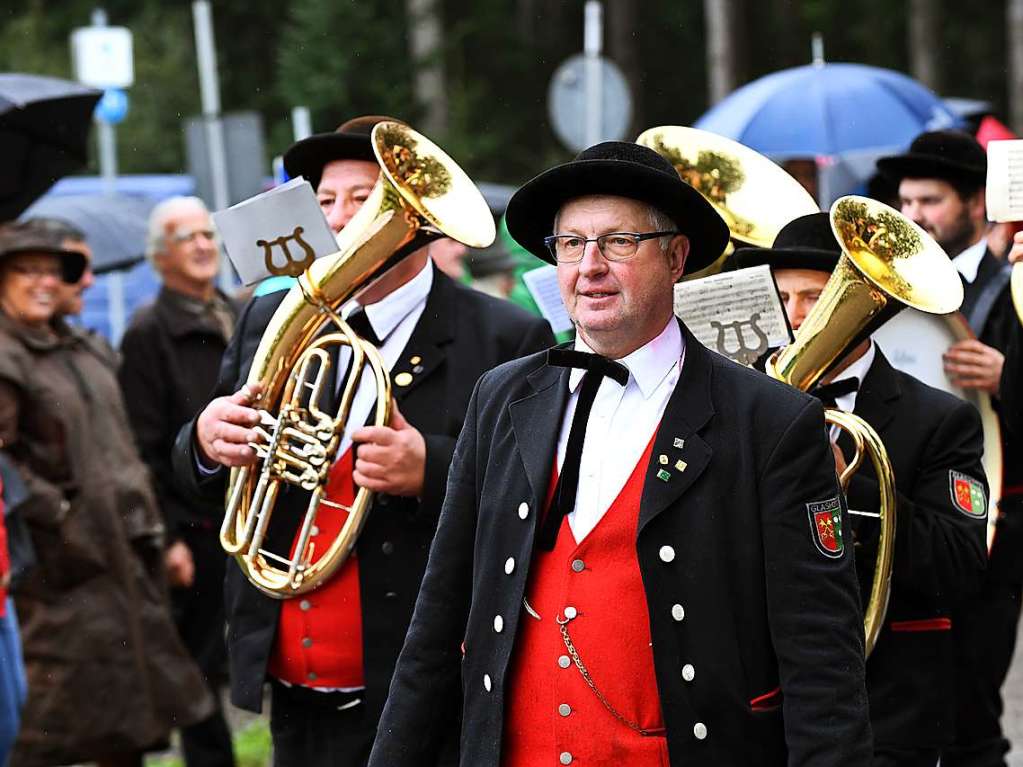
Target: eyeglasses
180,237
614,246
37,271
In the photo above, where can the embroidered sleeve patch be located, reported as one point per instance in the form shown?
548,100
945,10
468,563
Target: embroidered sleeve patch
967,494
826,526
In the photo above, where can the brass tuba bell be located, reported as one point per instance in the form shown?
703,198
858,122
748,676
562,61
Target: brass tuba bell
887,264
754,195
421,195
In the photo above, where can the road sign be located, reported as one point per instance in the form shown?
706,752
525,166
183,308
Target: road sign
567,97
102,56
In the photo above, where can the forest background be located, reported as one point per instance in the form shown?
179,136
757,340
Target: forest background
474,74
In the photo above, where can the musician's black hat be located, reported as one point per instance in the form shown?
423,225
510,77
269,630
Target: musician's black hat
351,141
949,155
33,236
620,169
804,243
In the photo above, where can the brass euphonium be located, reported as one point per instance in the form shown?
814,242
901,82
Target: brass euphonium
421,195
887,264
755,196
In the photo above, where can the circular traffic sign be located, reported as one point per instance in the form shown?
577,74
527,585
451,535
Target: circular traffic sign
567,98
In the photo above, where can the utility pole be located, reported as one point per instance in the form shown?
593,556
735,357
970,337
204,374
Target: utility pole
720,18
924,36
426,46
1014,27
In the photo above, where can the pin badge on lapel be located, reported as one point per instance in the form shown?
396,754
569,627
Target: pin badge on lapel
679,443
663,475
663,459
403,379
681,465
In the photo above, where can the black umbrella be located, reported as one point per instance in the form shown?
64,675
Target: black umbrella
114,225
44,129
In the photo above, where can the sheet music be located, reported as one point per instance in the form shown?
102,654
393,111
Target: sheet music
738,314
542,285
284,226
1005,180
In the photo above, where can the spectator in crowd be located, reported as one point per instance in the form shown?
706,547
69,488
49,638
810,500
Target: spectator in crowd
107,676
170,356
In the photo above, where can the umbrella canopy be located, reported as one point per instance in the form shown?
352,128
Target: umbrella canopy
44,128
828,110
114,225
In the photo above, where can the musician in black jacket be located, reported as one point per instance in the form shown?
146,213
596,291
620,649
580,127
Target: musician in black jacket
935,444
941,186
329,654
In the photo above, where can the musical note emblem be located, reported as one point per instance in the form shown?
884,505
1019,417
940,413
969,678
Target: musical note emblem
291,267
743,353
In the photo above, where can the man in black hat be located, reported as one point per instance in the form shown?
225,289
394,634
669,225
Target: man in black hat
329,655
941,187
935,443
640,558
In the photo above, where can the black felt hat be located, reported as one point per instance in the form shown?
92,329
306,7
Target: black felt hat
948,155
351,141
623,170
804,243
33,237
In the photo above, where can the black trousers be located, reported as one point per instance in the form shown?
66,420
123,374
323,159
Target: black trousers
905,757
319,729
985,631
199,616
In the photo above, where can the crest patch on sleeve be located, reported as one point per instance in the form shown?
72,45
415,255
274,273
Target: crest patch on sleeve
826,526
967,494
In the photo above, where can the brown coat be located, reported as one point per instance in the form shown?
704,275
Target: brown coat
106,670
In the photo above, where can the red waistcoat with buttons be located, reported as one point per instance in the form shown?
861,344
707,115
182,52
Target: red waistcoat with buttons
319,635
551,714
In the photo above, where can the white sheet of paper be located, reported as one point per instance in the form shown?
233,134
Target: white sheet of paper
285,222
542,284
1005,180
738,314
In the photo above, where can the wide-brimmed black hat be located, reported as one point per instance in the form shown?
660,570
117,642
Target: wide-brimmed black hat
351,141
623,170
33,237
804,243
948,155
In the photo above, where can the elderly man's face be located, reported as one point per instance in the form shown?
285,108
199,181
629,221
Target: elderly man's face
71,297
343,187
618,306
190,248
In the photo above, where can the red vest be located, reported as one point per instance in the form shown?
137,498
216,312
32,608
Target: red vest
319,635
550,711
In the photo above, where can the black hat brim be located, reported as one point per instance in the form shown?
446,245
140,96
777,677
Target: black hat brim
816,259
531,210
72,263
919,165
308,157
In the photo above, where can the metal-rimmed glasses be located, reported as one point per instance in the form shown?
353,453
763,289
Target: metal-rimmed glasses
614,246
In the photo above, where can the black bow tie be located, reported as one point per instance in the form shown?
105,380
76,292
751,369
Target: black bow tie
596,368
830,392
358,321
570,358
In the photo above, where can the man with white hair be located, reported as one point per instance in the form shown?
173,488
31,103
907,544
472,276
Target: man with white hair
170,357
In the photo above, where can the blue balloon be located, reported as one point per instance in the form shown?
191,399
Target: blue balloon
112,108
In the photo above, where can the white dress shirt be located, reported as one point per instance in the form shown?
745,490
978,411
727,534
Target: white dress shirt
393,319
621,423
968,262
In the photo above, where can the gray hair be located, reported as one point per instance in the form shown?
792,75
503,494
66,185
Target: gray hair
161,214
659,222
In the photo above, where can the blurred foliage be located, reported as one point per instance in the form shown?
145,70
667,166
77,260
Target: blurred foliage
346,57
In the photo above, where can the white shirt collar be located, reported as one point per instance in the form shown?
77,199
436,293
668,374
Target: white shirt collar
968,262
389,311
648,365
860,367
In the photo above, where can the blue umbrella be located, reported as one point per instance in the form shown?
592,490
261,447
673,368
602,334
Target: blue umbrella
828,109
